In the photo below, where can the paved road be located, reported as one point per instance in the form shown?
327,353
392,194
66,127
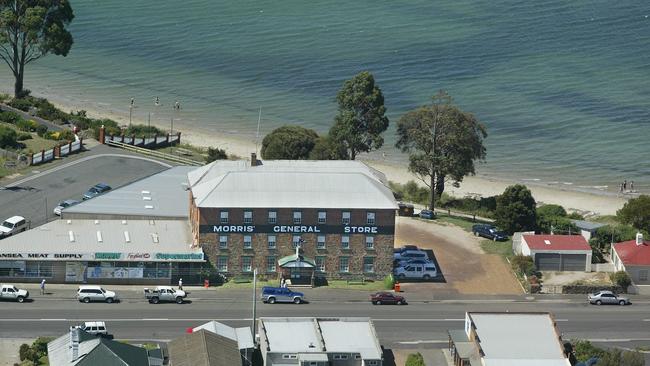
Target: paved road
36,198
421,323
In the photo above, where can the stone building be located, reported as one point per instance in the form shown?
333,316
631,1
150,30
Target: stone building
333,219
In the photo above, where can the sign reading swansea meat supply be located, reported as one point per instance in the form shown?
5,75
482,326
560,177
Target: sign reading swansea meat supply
296,229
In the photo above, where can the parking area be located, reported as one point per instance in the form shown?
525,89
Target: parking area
466,268
35,198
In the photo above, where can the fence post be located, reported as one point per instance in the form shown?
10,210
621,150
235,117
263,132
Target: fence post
167,139
179,138
42,155
81,143
30,159
122,140
57,151
102,135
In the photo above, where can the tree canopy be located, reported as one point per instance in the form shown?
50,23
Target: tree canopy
289,143
31,29
516,209
361,116
443,142
636,212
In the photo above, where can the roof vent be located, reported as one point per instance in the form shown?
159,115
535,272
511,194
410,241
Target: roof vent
185,186
639,239
99,237
155,238
69,222
127,238
547,242
148,207
71,236
123,222
152,222
311,345
96,222
146,192
146,198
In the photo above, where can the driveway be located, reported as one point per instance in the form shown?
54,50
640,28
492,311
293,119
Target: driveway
466,268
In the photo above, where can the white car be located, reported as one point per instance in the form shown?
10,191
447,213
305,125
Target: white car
12,225
11,292
62,205
94,328
420,271
165,294
95,293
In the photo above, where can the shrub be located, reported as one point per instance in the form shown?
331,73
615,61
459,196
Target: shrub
41,130
23,136
516,209
389,282
325,149
4,97
23,104
606,235
142,131
483,206
216,154
410,192
621,278
48,111
10,117
289,142
27,125
636,212
523,264
8,137
584,350
415,359
551,210
66,135
24,351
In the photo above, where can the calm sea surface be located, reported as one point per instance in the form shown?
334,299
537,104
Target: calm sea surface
563,86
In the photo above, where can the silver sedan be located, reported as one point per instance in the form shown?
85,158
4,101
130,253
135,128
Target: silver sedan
607,297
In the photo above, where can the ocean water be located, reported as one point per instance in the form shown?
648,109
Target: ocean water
562,86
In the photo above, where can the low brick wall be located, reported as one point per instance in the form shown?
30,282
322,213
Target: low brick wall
586,289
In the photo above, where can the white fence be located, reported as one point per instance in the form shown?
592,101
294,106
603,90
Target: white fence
57,151
146,142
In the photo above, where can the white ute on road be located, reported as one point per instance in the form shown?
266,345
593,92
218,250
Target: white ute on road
11,292
164,293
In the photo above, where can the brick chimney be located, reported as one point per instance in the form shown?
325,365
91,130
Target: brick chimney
102,135
639,239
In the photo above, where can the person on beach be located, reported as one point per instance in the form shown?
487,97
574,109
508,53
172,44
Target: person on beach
620,188
43,287
631,186
180,283
625,184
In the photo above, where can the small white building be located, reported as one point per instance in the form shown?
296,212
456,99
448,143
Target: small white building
557,252
319,342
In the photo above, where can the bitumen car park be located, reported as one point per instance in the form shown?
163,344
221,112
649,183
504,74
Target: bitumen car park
489,232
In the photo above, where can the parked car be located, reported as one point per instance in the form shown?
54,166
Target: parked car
272,295
419,271
12,225
405,247
90,293
607,297
405,262
405,209
381,298
427,214
94,328
489,231
411,254
64,204
11,292
96,190
165,294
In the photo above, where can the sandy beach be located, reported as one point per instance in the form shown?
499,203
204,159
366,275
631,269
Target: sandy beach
589,203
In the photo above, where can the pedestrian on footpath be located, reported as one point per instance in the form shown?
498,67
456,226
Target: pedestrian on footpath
43,287
180,283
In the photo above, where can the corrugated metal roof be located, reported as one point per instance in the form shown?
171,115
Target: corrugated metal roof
159,195
351,336
242,335
556,242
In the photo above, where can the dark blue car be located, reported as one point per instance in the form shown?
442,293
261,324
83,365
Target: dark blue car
272,295
489,231
96,190
427,214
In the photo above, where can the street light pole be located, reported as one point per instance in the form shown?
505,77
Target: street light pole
254,300
156,104
131,111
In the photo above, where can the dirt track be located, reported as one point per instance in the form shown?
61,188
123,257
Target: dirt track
466,268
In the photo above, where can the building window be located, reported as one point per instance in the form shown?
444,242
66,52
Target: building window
320,242
344,264
223,218
297,240
368,264
320,264
273,217
247,264
340,357
248,242
297,217
271,241
222,264
372,363
370,218
322,217
223,241
370,242
357,357
248,217
270,264
643,275
345,217
345,241
289,357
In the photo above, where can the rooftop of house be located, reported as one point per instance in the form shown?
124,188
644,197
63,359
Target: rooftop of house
587,225
518,339
290,183
633,254
242,335
557,242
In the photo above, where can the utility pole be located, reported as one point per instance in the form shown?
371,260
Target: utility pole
254,300
131,106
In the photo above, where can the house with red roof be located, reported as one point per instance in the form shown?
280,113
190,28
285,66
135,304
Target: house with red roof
633,257
557,252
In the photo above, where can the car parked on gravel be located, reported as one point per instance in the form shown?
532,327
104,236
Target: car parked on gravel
427,214
272,295
12,293
410,254
607,298
62,205
489,232
387,298
90,293
165,294
417,271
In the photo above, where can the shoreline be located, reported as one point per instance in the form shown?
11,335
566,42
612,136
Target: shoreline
589,202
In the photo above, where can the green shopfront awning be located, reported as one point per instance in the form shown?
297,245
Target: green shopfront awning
296,261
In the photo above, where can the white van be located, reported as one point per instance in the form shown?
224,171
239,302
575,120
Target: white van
95,293
94,328
12,225
422,271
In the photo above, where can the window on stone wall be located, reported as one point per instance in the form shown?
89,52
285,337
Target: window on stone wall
322,217
643,275
345,217
271,241
297,217
271,264
223,217
223,241
320,243
320,264
222,264
345,241
370,218
344,264
368,264
248,242
273,217
370,242
247,264
296,241
248,217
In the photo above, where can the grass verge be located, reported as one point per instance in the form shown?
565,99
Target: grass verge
502,248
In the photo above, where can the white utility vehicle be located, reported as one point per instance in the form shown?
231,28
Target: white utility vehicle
164,293
94,328
11,292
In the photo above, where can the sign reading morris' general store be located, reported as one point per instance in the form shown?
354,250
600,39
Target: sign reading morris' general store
297,229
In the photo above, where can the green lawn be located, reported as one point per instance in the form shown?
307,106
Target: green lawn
37,144
606,219
502,248
186,151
